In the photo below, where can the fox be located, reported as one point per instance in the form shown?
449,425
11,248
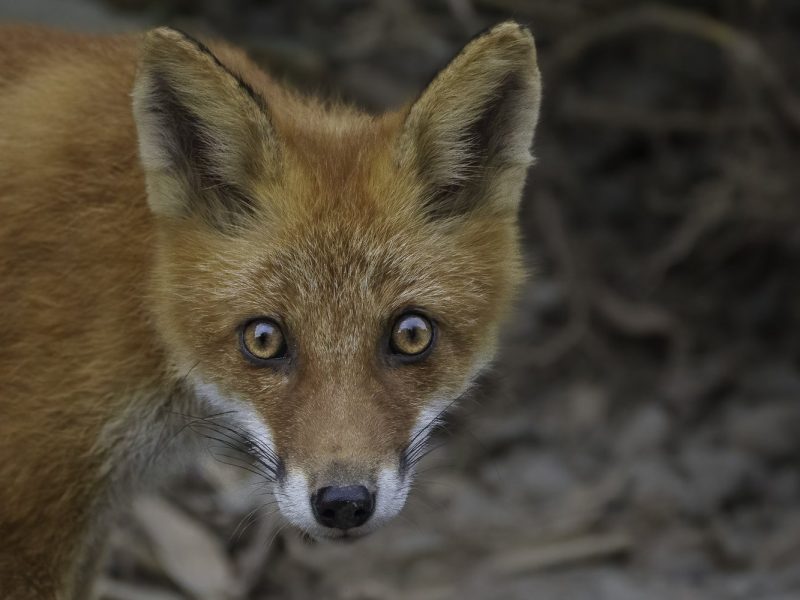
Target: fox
188,243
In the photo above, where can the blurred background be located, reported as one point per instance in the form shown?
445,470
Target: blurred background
639,436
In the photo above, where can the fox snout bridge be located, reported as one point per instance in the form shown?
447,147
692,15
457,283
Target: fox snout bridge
343,507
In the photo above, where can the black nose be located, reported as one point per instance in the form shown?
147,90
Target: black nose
343,507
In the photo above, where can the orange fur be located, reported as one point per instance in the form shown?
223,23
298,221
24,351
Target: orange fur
123,280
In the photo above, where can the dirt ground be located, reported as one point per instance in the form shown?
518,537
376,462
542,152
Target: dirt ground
639,436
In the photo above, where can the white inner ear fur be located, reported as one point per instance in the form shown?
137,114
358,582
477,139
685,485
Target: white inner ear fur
153,143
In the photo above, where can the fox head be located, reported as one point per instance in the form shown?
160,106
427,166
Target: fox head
331,282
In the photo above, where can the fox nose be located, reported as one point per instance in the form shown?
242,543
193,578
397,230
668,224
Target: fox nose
343,507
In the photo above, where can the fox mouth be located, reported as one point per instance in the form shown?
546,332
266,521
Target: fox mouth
343,537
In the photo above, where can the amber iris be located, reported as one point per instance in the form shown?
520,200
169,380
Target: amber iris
412,334
263,339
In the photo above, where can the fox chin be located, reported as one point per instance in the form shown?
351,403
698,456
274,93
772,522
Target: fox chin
190,247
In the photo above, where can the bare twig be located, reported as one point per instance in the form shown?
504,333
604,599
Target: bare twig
556,554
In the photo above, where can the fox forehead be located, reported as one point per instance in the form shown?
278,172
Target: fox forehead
344,272
339,232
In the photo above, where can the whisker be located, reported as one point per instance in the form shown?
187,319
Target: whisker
240,444
248,516
246,467
423,454
262,450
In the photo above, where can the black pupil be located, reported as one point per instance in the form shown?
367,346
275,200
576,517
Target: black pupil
263,333
413,330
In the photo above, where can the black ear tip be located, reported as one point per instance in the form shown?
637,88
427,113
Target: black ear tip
173,35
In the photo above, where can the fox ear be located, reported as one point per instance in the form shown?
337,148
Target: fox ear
204,134
469,134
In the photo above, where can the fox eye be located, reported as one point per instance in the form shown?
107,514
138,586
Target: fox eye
263,340
412,335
